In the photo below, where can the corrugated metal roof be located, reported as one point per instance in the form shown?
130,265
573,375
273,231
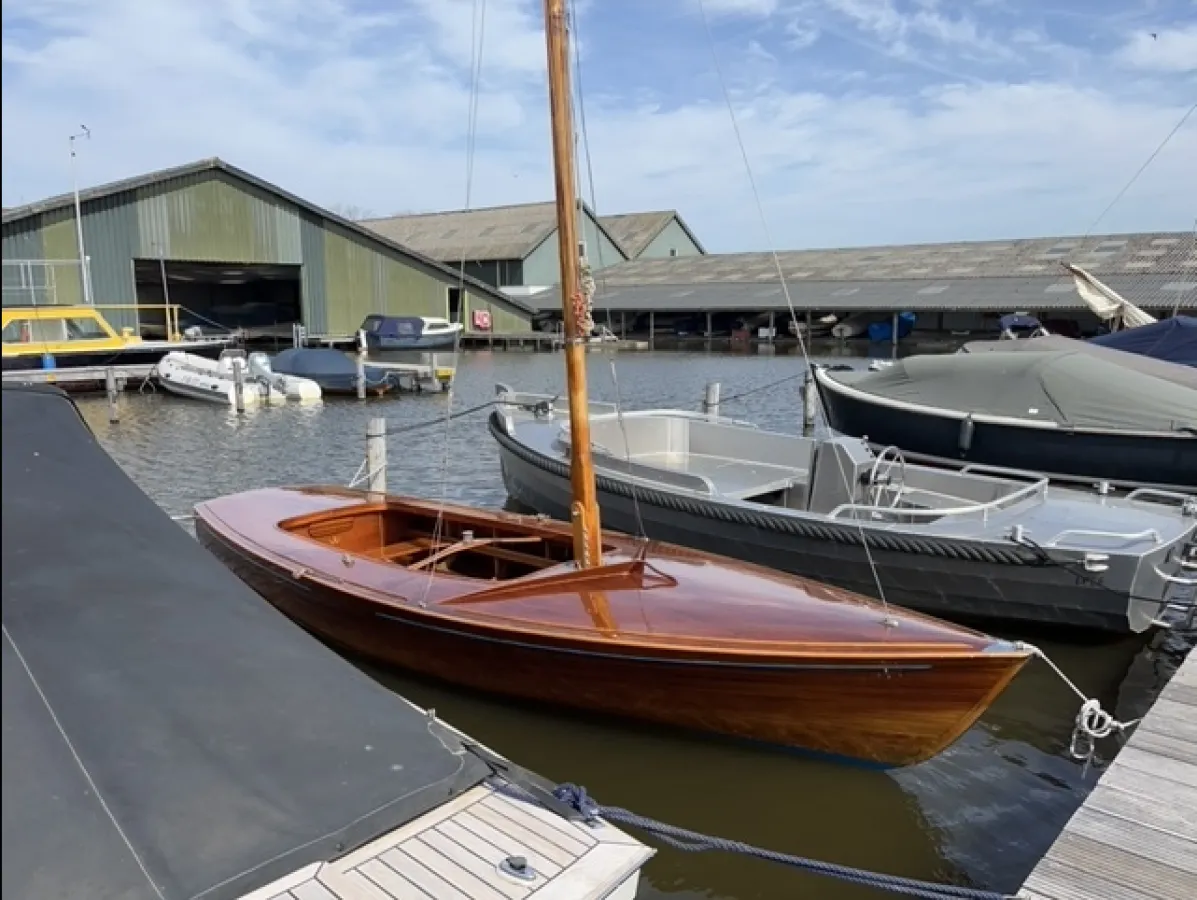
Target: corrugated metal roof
633,232
1039,293
1144,254
488,233
215,164
497,232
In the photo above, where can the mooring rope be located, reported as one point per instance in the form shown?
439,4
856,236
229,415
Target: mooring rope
689,841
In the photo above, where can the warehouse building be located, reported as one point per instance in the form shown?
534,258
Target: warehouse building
952,287
515,247
235,251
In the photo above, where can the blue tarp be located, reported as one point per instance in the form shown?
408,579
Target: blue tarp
1171,340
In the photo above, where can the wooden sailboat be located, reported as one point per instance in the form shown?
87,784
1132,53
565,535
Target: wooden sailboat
570,615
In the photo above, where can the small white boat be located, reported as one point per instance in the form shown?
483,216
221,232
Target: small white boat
853,325
293,387
198,378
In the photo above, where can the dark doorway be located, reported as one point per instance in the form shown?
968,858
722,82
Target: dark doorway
454,304
219,296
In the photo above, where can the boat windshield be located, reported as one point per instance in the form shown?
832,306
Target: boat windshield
53,331
475,548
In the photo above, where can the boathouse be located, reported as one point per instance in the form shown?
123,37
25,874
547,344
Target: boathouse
951,287
515,247
234,251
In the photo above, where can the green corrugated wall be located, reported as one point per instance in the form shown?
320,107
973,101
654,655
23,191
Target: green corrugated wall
211,216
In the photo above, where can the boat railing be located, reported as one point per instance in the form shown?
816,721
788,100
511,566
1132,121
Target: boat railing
983,509
170,315
1187,502
1127,537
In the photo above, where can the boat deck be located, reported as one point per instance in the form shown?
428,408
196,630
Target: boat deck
1135,837
738,478
455,853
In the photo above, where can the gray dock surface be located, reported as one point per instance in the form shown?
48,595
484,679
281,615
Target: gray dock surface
1135,836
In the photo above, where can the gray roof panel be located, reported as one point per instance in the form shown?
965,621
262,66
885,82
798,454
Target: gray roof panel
1043,294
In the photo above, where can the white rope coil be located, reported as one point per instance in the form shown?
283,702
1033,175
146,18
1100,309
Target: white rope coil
1092,723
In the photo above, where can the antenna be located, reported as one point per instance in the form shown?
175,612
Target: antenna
84,268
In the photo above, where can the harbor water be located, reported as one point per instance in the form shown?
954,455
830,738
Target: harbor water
981,814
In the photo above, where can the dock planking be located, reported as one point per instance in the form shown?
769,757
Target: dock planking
1135,836
455,853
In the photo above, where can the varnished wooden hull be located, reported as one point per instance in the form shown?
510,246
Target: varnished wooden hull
876,710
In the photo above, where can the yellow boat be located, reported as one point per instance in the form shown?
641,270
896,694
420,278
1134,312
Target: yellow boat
64,337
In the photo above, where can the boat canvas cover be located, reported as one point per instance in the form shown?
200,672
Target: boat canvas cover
394,326
1069,387
167,733
1172,340
1157,367
313,362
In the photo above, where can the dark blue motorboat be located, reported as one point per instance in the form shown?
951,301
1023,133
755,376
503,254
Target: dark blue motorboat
334,371
1171,340
385,333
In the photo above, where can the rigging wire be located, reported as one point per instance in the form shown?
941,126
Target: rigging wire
600,279
785,288
1150,159
477,44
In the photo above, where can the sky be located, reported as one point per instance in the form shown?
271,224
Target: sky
863,121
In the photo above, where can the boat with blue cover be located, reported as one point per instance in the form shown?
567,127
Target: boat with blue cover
333,370
387,333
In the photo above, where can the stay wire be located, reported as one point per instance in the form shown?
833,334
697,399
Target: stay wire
600,280
710,37
477,45
1150,159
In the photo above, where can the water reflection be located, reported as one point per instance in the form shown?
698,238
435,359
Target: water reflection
981,813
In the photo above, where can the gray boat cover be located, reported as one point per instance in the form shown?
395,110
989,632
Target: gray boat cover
1071,387
168,734
1160,368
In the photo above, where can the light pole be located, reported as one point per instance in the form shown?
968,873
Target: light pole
85,274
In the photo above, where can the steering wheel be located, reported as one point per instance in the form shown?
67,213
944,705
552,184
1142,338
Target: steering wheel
879,478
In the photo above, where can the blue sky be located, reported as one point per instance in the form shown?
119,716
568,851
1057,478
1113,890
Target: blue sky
865,121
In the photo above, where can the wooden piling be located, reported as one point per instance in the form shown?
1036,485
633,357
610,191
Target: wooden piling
810,401
710,400
239,385
376,458
114,412
361,365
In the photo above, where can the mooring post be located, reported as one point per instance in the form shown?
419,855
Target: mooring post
810,401
376,458
238,385
361,365
710,400
114,412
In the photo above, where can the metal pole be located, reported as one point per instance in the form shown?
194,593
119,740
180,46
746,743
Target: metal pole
114,413
376,459
361,366
238,386
710,400
893,350
810,401
84,274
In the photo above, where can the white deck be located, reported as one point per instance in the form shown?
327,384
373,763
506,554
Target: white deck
454,853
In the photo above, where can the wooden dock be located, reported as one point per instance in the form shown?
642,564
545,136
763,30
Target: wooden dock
1135,836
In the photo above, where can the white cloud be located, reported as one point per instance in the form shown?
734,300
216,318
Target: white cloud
349,105
740,7
1164,50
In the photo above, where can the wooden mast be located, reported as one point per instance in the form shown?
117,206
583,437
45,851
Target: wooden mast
584,511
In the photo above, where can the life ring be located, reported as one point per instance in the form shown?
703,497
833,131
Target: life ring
482,320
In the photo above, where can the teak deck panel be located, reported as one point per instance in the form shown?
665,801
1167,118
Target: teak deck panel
1135,837
454,854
